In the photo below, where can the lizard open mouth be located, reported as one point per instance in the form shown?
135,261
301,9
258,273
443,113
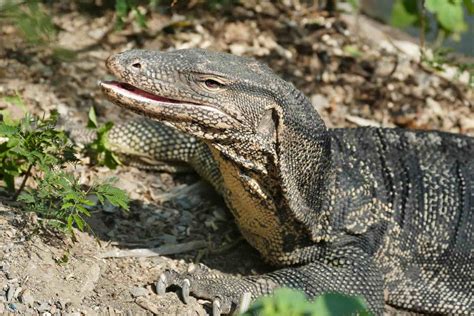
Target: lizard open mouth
163,108
128,89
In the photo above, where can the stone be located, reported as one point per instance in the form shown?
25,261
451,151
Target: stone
138,291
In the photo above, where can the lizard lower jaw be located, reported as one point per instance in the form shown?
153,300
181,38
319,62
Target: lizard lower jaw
165,109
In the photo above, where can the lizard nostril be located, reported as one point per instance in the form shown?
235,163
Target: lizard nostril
137,65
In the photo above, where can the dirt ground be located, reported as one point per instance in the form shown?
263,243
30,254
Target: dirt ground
355,71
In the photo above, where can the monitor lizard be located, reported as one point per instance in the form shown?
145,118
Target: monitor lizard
386,214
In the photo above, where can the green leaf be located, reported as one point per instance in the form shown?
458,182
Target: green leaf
117,197
8,130
355,4
111,160
92,122
71,196
121,11
67,205
139,17
352,50
449,14
79,222
332,304
26,197
9,182
292,302
70,219
469,4
87,202
404,13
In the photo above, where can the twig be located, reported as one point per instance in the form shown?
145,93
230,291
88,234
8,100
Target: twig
158,251
23,183
148,305
421,7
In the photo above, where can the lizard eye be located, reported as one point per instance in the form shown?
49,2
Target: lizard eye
212,84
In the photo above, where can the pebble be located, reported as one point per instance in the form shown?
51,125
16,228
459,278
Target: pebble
10,276
10,293
44,307
11,307
138,291
17,292
319,102
26,298
62,304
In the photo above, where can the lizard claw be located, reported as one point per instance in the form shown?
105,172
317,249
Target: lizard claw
199,281
161,284
185,290
244,302
221,305
216,307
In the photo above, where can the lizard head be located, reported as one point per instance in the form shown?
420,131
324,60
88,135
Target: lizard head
238,106
218,97
214,96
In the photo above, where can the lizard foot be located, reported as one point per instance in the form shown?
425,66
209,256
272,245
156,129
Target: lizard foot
199,281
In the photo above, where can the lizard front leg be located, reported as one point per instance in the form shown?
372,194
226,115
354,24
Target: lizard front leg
348,271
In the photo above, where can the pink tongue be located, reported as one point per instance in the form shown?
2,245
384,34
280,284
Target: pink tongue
143,93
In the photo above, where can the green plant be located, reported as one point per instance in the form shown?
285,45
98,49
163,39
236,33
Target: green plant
62,202
31,142
98,149
448,16
450,21
124,7
33,148
288,302
35,24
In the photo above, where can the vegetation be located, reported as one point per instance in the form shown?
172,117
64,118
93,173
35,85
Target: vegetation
448,15
448,19
32,148
98,149
288,302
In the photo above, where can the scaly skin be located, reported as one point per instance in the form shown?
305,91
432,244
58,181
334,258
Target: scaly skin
359,211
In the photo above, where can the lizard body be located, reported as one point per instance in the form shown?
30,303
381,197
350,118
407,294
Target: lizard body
356,211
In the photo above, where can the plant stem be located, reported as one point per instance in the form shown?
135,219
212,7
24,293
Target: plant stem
421,8
23,183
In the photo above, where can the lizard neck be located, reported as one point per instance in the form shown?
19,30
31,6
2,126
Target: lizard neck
276,196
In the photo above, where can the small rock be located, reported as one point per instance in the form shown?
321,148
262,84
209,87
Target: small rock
26,298
44,307
11,307
11,276
17,292
319,102
10,293
62,304
138,291
2,308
